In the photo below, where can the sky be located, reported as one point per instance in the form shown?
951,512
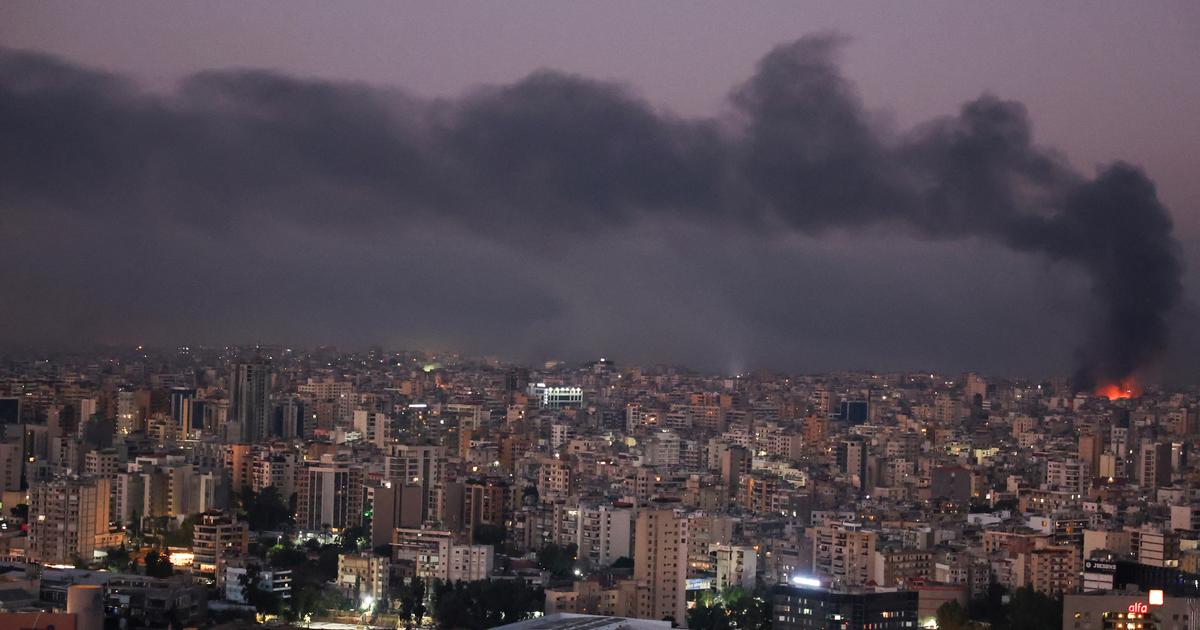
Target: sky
574,274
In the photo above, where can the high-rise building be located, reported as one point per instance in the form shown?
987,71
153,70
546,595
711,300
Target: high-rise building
393,505
364,578
130,415
1091,446
12,461
852,461
737,565
329,494
604,534
331,402
1153,464
65,519
950,482
1069,474
273,469
10,409
435,556
843,553
373,425
486,502
181,409
420,465
217,539
1051,571
288,421
470,563
854,411
555,478
660,562
250,392
735,462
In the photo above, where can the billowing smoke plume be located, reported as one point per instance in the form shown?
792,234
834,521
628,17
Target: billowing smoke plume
558,156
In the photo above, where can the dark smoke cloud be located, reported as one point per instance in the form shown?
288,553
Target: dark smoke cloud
234,159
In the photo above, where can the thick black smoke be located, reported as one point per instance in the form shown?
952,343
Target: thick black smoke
556,155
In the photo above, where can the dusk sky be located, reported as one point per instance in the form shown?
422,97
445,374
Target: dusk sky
309,229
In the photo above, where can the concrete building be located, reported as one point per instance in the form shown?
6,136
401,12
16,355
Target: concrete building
1070,474
570,621
274,580
1113,610
555,397
375,427
1051,571
12,461
216,540
332,402
1153,464
812,608
486,501
555,478
1185,517
250,393
902,567
852,461
660,562
604,533
735,462
364,579
470,563
66,518
393,505
843,554
417,464
329,494
737,565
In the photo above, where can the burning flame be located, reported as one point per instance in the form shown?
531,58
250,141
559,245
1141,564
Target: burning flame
1127,388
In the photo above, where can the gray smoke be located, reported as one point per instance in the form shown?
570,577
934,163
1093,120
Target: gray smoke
556,155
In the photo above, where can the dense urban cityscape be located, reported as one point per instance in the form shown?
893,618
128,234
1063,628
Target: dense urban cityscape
195,486
599,315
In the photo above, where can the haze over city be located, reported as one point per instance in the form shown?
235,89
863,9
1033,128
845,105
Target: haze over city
325,246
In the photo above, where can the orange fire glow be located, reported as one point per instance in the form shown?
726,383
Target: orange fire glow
1127,388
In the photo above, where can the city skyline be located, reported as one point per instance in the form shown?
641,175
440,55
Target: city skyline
544,315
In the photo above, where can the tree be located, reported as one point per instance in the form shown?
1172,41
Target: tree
157,565
1029,609
327,562
624,562
559,561
412,602
488,534
118,560
182,535
419,595
264,600
266,510
952,616
735,607
708,614
287,557
484,604
353,538
135,524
